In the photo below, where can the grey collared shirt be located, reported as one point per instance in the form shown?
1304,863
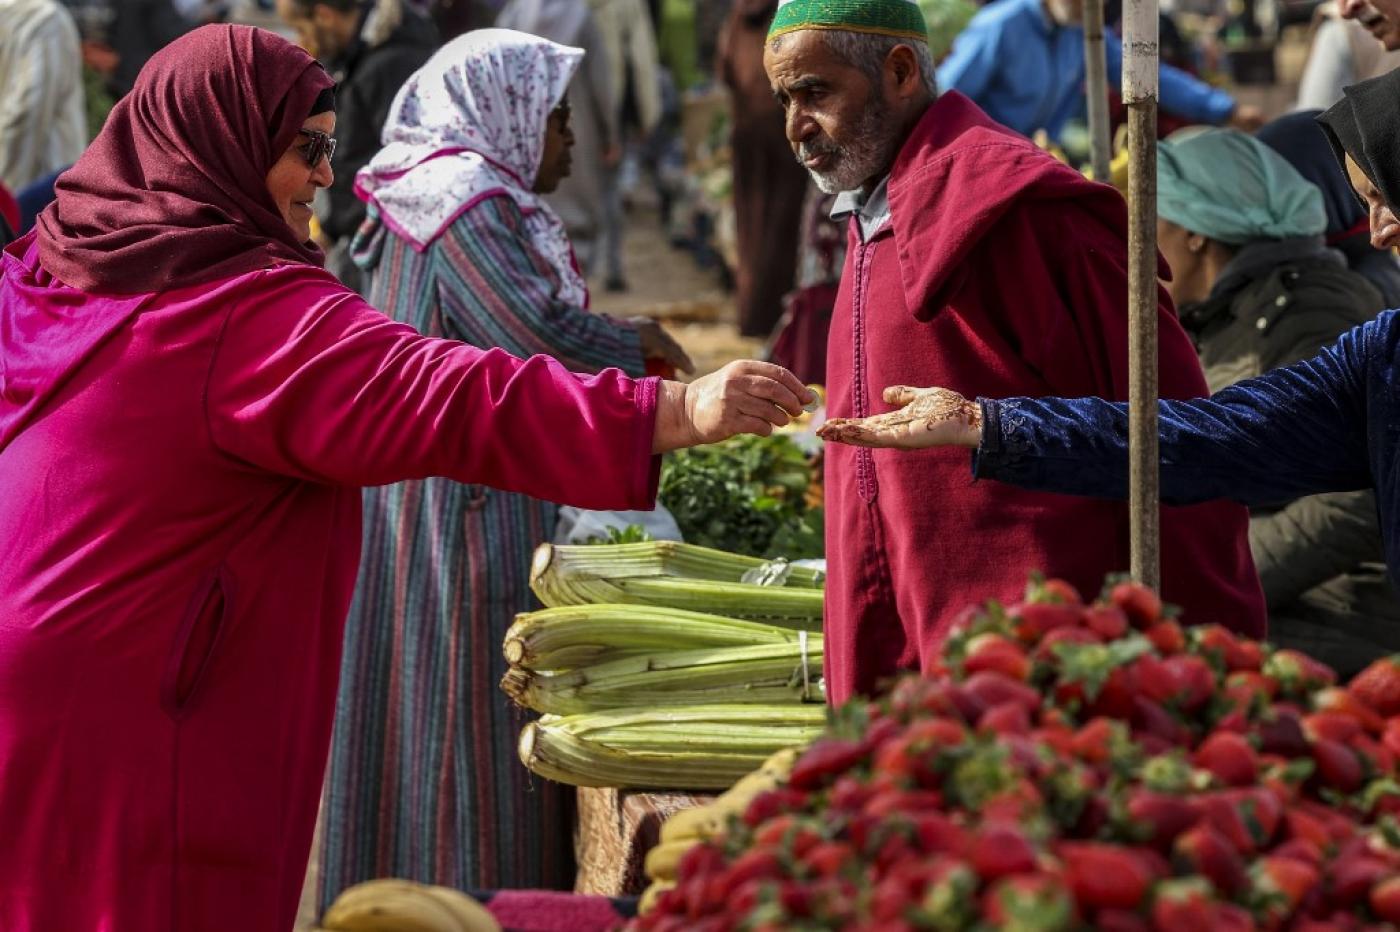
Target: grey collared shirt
872,210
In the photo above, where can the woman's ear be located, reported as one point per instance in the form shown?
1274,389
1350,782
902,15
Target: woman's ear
1195,242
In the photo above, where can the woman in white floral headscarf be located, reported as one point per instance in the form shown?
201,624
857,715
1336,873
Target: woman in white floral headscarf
424,780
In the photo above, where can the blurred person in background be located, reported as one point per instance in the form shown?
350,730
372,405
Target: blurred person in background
370,47
582,200
1346,50
424,780
629,43
769,186
1022,61
454,17
43,123
1302,142
1257,288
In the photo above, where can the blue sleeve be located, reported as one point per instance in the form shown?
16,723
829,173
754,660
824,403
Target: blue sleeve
970,67
1294,431
1180,93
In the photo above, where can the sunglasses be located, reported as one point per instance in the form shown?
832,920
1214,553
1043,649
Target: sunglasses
321,146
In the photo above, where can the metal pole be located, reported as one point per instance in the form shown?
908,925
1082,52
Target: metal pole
1096,89
1140,96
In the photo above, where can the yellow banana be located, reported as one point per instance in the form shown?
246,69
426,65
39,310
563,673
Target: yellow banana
692,824
780,764
662,861
352,897
652,894
392,910
471,915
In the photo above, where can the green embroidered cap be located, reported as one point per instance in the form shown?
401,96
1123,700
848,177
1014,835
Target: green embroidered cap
900,18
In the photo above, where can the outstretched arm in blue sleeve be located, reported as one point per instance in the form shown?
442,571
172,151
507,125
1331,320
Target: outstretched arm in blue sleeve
1294,431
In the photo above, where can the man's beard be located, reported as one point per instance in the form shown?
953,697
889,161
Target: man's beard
867,155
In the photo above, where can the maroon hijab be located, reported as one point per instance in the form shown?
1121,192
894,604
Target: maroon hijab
172,192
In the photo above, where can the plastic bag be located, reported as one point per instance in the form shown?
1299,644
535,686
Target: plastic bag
580,526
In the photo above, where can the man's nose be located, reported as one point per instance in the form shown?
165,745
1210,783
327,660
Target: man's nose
800,127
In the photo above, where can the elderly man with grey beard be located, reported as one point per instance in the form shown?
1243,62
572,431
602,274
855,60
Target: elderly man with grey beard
979,263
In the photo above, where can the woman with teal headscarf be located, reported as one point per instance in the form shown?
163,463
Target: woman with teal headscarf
1258,288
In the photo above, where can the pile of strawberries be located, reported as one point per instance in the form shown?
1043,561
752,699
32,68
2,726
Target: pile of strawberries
1075,766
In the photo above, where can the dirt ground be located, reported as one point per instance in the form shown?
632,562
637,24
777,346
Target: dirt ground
666,283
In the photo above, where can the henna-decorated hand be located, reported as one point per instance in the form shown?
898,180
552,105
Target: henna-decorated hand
930,417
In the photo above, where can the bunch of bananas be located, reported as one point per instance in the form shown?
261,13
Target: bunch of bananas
392,905
684,829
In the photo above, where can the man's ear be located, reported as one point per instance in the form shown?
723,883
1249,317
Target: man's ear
902,65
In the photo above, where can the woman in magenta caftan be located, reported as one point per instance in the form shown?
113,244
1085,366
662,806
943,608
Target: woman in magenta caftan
189,406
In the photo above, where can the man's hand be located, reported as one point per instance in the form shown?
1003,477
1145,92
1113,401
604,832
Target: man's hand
658,344
931,417
1246,118
742,398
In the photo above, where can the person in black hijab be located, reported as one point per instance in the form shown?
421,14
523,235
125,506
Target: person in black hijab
1299,139
1364,130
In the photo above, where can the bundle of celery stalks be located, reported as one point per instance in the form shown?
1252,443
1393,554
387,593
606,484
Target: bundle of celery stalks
665,665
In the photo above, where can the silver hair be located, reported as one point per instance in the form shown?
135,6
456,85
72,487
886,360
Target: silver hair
867,51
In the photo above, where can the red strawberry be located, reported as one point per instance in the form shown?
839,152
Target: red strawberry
1195,681
1379,685
1298,673
830,858
1231,918
1045,650
1352,877
1031,621
1142,606
1095,741
1346,702
1300,849
1104,876
756,864
849,793
996,653
1107,621
1375,757
1337,765
1230,757
1058,590
775,831
1120,920
1284,883
891,802
1029,901
1009,718
999,850
1235,652
1334,726
1150,718
1280,731
824,761
1161,815
936,833
1183,904
1203,850
1390,738
990,689
1251,684
1167,637
1385,900
766,806
1302,825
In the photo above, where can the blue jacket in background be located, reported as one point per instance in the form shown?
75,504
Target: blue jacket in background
1327,424
1028,73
